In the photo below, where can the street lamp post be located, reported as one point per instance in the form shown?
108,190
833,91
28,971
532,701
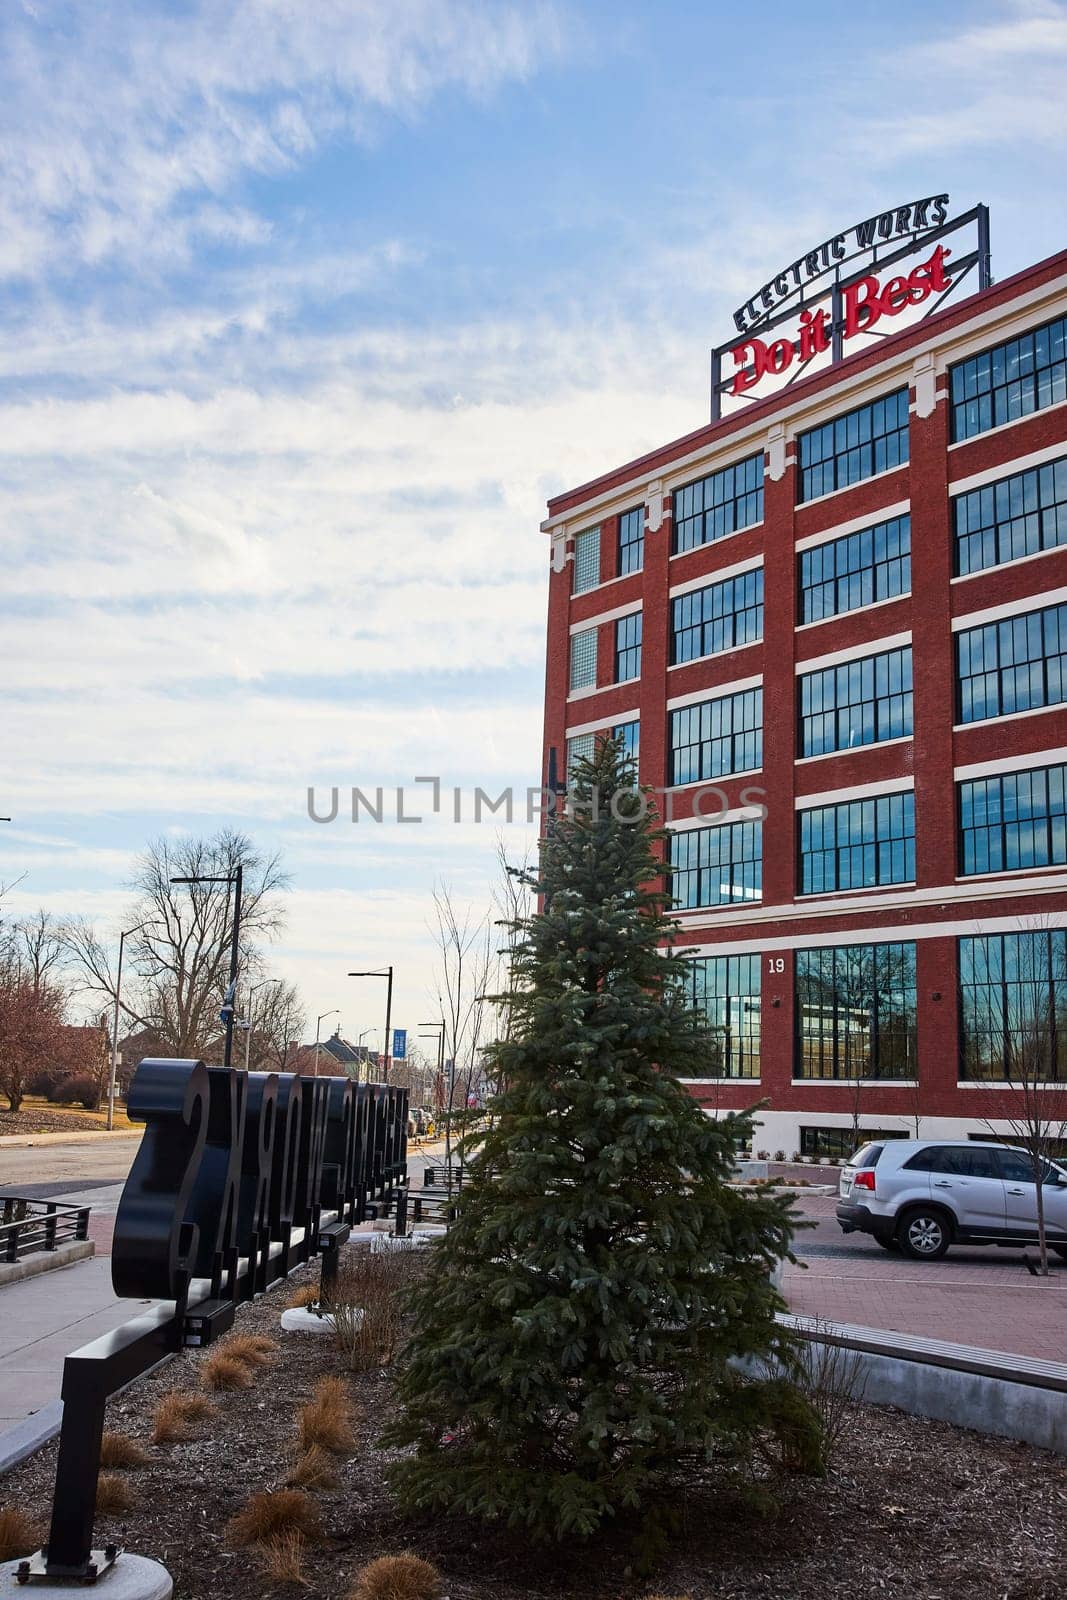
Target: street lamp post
359,1041
439,1033
227,1013
318,1025
115,1030
387,1044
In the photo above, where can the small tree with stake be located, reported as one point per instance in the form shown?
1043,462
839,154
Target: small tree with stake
577,1328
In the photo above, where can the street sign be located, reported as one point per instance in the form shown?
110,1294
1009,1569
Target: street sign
400,1044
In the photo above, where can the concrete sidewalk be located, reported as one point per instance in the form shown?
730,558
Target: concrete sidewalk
42,1320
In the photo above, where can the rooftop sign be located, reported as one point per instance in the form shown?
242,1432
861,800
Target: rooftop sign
841,296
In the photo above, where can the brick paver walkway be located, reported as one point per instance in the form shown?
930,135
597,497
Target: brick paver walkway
981,1297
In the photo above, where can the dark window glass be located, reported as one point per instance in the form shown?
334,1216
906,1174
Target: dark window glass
1015,1168
720,504
870,439
1017,819
1015,665
839,1143
726,992
858,844
1013,1007
721,617
1018,516
856,703
717,737
868,1155
628,647
856,570
856,1011
924,1160
1011,380
717,866
632,540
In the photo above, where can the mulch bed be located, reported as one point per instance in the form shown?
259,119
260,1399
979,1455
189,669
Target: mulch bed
38,1119
912,1508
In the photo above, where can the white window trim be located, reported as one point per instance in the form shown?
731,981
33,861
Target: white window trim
855,652
854,749
1002,427
601,617
859,791
880,900
601,723
718,691
841,530
712,544
1010,716
886,472
711,783
1012,608
1012,873
992,769
722,819
1004,566
835,616
1008,469
707,580
868,889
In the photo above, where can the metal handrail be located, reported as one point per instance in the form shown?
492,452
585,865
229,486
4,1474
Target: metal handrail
39,1225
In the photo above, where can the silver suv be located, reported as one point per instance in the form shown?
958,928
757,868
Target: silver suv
922,1195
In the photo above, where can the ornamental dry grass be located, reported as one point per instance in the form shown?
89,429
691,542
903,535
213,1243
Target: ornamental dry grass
326,1420
113,1495
272,1514
315,1469
402,1577
19,1535
252,1349
367,1304
281,1558
306,1295
119,1450
176,1416
222,1372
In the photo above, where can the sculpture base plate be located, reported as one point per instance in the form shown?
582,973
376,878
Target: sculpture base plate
129,1578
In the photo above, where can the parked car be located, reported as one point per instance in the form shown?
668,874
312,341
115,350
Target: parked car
923,1195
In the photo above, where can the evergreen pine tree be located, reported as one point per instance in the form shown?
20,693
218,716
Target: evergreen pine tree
574,1331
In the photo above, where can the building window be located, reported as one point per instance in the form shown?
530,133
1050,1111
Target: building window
858,844
726,992
630,734
1013,1007
580,748
583,660
632,541
1014,665
856,1011
1012,380
717,866
628,647
838,1144
722,616
870,439
1016,820
856,703
717,737
857,570
1019,516
587,560
720,504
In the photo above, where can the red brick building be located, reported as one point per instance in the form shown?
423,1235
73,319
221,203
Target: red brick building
834,624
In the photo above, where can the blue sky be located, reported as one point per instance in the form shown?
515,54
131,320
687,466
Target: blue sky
305,310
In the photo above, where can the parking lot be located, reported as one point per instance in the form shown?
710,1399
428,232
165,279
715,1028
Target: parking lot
978,1296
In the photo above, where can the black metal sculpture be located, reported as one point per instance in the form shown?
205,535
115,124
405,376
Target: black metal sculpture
239,1178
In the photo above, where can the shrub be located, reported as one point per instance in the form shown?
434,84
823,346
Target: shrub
176,1414
251,1349
402,1577
763,1155
281,1558
78,1088
779,1155
18,1534
119,1450
113,1495
221,1372
367,1304
326,1420
314,1470
273,1514
43,1081
306,1295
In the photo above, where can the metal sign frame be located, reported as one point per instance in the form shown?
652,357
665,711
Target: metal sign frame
832,282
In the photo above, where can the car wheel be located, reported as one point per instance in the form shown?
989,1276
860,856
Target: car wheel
924,1235
887,1244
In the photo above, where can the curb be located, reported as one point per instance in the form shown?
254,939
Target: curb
23,1140
23,1438
64,1255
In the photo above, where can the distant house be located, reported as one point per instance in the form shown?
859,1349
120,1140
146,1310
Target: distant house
335,1056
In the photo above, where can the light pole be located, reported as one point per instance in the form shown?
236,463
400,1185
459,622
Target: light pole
115,1030
439,1032
248,1020
227,1012
318,1024
359,1041
387,1043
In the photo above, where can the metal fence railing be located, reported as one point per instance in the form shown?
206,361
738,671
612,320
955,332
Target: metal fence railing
27,1226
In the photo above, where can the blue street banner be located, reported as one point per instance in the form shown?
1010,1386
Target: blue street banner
400,1044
